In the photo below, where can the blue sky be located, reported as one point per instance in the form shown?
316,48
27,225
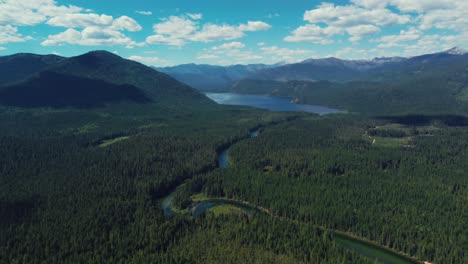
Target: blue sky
170,32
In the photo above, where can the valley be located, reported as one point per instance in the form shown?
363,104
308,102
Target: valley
107,160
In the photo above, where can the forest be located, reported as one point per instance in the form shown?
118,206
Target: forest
66,197
86,173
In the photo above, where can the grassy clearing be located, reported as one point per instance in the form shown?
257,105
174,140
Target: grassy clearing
225,209
109,142
372,250
387,142
199,197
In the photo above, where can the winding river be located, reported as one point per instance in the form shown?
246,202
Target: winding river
368,249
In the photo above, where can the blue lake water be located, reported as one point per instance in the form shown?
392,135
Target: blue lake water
269,103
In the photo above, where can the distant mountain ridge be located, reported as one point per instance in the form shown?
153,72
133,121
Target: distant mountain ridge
210,77
221,78
431,84
103,77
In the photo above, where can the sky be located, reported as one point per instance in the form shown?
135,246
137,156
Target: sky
226,32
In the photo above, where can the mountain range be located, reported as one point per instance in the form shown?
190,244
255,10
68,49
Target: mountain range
219,78
431,83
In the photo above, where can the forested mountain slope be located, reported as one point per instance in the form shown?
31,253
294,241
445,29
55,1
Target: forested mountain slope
101,74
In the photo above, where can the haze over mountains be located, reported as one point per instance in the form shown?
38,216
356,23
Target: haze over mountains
209,77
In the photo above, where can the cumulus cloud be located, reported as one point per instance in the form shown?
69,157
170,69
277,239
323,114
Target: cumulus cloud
358,32
397,40
32,12
178,30
90,36
80,20
448,15
212,32
10,34
231,45
328,20
82,27
96,30
351,15
254,26
284,54
314,34
126,23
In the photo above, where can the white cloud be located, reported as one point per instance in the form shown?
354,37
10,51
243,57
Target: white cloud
371,4
10,34
92,30
328,20
358,32
207,56
90,36
254,26
195,16
160,39
211,32
284,54
151,61
231,45
126,23
314,34
422,5
174,31
178,30
145,13
351,15
405,36
80,20
32,12
83,28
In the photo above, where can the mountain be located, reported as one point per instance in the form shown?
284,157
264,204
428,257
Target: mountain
210,77
456,51
334,69
74,81
20,66
53,89
219,78
430,83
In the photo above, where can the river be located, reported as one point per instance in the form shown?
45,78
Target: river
364,248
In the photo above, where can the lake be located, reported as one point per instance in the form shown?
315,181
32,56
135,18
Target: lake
269,103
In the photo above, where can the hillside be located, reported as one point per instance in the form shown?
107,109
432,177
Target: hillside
20,66
58,90
433,95
89,80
